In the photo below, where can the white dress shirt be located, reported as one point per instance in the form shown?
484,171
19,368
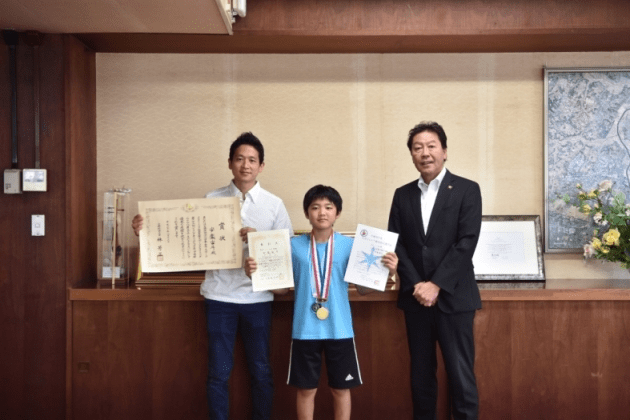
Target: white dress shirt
262,211
428,195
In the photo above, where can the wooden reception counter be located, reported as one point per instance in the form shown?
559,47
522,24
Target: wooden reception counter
141,353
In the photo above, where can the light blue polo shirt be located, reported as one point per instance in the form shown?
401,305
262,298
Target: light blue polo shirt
306,325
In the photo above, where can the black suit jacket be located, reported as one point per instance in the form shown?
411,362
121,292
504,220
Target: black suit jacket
444,254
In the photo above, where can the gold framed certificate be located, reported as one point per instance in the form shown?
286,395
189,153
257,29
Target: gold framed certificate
189,235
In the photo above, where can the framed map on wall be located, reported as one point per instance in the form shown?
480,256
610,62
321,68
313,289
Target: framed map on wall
587,141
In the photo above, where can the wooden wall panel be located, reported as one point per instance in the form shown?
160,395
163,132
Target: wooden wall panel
535,359
613,336
553,359
32,278
352,26
182,365
89,366
80,161
432,17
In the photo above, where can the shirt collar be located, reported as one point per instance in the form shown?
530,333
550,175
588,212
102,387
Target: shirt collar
252,193
438,180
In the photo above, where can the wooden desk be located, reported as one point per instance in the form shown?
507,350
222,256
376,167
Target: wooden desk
142,354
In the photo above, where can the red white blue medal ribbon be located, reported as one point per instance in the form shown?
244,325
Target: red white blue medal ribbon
322,290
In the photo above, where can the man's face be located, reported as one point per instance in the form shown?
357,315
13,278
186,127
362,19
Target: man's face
428,155
245,164
322,214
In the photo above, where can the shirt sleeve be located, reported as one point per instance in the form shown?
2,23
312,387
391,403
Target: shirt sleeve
282,219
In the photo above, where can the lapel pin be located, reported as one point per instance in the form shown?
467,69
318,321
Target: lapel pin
450,187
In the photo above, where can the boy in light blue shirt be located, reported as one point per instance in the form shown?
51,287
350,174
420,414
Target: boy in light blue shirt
322,320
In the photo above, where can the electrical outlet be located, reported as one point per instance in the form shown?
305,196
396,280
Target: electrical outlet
38,225
12,181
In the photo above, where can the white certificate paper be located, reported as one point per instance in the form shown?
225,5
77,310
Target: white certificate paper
506,248
190,235
272,252
365,267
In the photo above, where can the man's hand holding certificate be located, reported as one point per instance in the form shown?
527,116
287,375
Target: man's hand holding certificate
271,251
365,267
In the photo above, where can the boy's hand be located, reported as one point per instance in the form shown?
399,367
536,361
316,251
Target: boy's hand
250,266
390,260
136,224
243,232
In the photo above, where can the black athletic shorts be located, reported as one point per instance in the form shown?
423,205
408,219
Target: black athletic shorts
342,364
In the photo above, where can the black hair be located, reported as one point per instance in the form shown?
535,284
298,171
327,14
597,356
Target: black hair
427,126
250,140
322,191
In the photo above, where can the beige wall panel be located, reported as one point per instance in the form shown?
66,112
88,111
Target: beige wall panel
165,123
301,107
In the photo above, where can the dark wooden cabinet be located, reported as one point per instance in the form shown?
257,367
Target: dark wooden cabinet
142,354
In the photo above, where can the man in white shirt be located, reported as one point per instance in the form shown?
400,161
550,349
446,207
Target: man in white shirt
231,304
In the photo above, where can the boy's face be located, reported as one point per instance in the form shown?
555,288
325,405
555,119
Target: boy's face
322,214
245,164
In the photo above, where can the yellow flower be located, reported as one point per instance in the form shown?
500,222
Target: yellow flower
585,208
592,194
611,237
605,250
582,196
597,244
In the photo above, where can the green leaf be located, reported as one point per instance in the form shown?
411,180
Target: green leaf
620,199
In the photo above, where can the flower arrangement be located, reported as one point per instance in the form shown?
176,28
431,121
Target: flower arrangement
611,216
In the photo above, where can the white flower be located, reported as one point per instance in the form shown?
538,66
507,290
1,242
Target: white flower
589,251
605,185
598,218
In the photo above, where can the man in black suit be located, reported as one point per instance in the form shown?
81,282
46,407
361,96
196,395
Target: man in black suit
438,219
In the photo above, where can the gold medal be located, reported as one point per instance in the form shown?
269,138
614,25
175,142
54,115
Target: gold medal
322,313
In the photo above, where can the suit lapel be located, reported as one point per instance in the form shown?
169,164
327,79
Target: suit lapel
446,187
414,203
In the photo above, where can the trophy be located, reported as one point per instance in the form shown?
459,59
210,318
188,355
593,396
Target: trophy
116,227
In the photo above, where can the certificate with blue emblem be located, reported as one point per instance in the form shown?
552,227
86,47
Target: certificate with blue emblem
365,267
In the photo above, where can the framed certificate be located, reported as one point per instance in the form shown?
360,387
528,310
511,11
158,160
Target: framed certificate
190,235
509,249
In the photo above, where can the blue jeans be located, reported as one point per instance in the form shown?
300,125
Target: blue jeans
254,321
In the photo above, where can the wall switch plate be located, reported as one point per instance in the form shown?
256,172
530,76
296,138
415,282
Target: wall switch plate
38,226
34,180
12,182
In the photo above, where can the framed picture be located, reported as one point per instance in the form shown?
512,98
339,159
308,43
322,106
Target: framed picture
509,249
587,141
